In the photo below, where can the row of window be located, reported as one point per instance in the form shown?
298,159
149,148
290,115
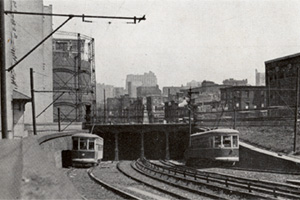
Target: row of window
85,144
230,141
247,106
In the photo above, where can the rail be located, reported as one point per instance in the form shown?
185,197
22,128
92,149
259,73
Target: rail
265,187
117,191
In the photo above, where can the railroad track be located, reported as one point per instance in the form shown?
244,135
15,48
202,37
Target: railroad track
135,177
200,192
114,189
135,186
252,186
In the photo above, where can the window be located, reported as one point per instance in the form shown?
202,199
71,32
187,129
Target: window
91,144
61,46
75,144
247,106
226,141
83,144
247,94
235,141
218,142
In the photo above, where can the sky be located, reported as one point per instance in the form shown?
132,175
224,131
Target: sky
185,40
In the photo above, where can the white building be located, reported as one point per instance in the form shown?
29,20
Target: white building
22,33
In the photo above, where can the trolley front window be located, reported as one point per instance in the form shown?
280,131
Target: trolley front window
218,142
235,141
226,141
75,143
91,144
83,144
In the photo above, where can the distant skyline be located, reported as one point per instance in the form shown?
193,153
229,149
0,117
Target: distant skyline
185,40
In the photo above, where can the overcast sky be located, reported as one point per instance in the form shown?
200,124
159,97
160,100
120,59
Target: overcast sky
184,40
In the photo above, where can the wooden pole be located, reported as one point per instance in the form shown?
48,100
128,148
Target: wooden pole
32,101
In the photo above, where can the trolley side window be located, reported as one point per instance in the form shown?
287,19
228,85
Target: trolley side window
75,143
91,144
83,144
235,142
218,142
227,141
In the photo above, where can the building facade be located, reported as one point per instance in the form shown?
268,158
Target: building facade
260,79
155,108
135,80
245,98
145,91
22,33
233,82
281,80
124,109
74,81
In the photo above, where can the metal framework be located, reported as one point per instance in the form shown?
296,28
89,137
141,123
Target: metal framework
74,73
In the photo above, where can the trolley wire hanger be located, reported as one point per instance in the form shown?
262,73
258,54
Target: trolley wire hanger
70,16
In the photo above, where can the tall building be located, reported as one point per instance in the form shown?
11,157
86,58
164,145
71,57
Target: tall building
74,81
260,79
135,80
233,82
281,80
22,33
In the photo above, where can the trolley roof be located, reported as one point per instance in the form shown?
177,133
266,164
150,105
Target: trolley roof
217,132
86,135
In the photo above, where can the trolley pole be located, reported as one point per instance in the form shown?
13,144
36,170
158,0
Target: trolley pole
3,74
32,101
296,111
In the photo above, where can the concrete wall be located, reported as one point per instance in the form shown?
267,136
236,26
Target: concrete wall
255,158
30,30
28,172
41,178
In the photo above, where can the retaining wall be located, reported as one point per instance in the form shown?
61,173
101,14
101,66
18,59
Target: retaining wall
255,158
30,168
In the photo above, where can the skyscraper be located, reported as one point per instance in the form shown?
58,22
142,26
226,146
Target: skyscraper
135,80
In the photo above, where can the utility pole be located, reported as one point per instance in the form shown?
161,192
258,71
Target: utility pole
104,110
190,113
58,119
32,101
296,111
3,74
78,90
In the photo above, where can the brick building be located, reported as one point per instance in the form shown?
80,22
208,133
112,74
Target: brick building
281,77
244,98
